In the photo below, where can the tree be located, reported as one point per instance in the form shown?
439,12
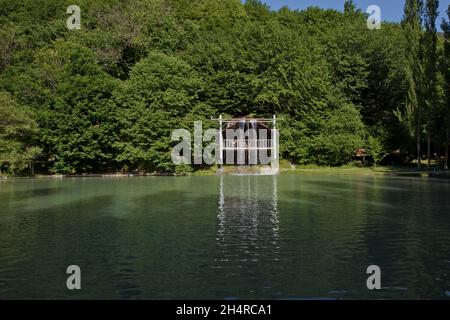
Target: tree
349,6
430,39
70,96
161,91
17,128
412,26
375,149
446,71
328,139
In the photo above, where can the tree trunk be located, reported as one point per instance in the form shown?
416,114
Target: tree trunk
428,146
418,136
446,146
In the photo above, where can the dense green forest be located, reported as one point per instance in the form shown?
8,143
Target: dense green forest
106,97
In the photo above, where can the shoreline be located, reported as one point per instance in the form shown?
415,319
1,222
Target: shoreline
355,171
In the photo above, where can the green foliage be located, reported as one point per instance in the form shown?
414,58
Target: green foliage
446,54
328,140
71,98
107,97
375,149
341,133
17,128
161,91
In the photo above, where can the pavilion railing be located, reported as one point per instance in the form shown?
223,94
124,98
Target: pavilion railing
236,144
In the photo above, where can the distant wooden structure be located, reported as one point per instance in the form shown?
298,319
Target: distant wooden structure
361,153
250,137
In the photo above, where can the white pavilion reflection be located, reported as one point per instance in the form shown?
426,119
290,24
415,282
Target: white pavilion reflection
247,219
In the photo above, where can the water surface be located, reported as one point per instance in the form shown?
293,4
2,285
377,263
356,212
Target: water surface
285,237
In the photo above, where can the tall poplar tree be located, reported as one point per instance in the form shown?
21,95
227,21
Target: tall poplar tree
446,28
349,6
430,43
412,26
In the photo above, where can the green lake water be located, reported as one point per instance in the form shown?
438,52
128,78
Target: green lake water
234,237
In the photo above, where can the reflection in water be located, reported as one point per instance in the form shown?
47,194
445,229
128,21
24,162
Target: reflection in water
247,220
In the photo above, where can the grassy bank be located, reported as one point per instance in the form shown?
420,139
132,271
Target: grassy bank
350,170
288,168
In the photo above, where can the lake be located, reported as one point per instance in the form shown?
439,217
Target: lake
232,237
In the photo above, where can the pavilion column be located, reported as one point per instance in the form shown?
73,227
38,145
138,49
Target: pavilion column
220,142
247,160
275,161
274,138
